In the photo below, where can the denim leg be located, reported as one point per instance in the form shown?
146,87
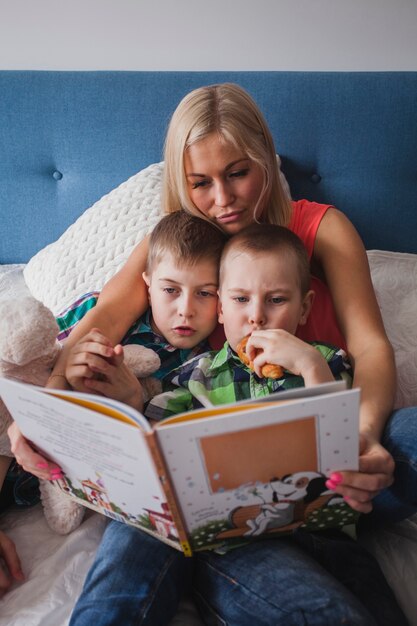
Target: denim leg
400,500
273,582
135,579
357,569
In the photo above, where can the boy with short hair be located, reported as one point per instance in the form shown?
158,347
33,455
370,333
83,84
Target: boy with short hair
182,279
264,292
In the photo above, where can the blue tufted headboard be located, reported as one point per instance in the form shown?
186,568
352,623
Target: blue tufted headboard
66,138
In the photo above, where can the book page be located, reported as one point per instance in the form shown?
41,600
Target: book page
262,469
107,463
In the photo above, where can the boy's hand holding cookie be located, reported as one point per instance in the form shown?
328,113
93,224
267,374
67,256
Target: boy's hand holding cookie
266,371
279,347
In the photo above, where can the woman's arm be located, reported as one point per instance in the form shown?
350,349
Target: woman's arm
339,251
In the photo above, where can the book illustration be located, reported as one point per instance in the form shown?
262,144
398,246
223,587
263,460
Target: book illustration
249,480
93,493
205,479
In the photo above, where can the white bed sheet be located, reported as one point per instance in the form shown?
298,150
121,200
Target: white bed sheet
55,566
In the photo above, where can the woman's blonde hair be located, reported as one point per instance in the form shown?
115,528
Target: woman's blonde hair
228,110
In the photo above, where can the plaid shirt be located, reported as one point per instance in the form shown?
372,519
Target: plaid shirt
140,333
222,378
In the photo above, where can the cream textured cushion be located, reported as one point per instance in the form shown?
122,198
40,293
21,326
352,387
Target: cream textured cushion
394,275
96,246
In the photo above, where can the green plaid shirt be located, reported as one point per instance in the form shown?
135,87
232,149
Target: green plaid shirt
222,378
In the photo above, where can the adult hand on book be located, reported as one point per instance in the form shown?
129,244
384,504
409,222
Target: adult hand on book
29,458
376,469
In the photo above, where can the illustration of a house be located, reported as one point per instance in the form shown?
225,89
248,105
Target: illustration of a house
162,521
96,494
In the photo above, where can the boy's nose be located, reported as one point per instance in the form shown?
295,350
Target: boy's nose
257,317
185,306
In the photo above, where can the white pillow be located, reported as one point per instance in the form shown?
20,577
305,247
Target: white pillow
96,246
394,276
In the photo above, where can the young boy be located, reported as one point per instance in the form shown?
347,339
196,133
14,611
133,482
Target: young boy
182,279
264,292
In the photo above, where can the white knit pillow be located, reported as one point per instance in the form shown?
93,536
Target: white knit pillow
96,246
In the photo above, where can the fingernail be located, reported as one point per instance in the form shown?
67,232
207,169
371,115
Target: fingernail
336,478
330,484
42,465
346,498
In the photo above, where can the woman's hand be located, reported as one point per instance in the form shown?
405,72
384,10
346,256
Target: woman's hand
28,457
376,472
10,566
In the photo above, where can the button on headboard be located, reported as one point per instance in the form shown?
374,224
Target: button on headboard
66,138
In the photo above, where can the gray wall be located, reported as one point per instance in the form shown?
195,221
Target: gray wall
209,34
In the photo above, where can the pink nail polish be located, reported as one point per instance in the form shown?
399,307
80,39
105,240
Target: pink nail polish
330,484
336,478
42,465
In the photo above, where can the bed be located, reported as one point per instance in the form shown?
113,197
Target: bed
80,169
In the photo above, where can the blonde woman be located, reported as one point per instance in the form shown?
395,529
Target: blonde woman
220,164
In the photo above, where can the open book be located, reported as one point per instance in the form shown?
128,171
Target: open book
206,478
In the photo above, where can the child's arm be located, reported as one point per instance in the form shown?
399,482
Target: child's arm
281,348
121,302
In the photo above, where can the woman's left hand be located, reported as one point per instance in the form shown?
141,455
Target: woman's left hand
376,472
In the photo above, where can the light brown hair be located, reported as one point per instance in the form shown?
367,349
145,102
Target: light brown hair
188,238
272,239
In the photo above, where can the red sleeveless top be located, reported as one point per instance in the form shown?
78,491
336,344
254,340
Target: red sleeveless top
321,323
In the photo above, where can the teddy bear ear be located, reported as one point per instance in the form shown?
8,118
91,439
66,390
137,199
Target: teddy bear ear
28,331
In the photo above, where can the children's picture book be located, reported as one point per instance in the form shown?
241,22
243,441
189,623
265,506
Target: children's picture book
207,478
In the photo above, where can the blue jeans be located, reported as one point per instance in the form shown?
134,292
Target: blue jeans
135,579
400,500
321,579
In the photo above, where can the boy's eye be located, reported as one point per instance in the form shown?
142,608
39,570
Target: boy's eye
240,299
277,300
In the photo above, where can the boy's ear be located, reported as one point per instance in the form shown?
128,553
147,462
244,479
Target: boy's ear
219,308
306,307
147,280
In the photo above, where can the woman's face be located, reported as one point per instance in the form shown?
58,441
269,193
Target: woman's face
223,183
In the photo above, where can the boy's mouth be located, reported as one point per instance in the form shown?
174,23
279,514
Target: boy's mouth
184,331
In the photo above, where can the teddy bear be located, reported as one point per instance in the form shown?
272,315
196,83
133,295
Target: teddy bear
28,351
